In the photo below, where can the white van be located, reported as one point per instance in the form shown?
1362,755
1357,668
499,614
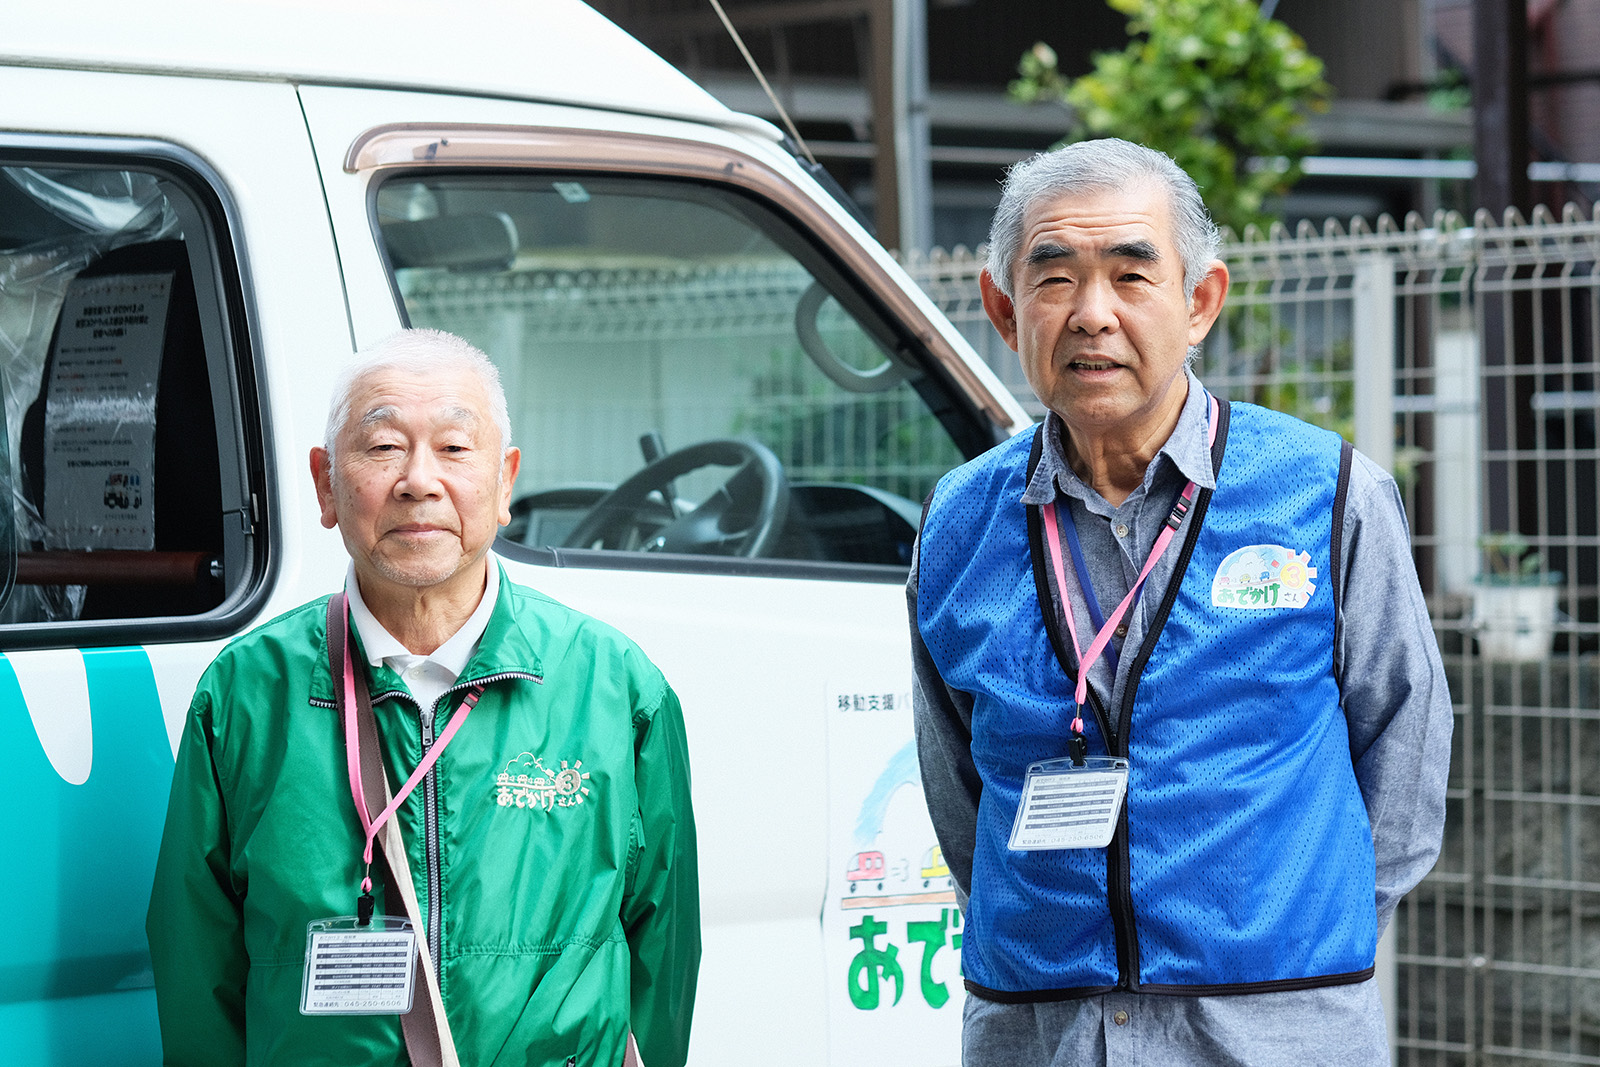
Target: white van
204,208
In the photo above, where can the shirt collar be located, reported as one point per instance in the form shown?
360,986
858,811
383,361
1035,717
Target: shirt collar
1188,449
380,645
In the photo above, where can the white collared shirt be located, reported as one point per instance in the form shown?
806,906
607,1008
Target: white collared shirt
427,677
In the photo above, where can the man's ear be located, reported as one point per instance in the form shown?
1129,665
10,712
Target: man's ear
999,308
322,478
510,463
1206,304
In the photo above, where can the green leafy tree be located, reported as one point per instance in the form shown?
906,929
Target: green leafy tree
1217,87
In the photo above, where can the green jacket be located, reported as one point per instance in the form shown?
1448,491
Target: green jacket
567,917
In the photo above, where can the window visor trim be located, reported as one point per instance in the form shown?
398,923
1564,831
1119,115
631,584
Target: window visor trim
408,145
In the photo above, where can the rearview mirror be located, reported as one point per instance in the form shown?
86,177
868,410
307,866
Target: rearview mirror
484,241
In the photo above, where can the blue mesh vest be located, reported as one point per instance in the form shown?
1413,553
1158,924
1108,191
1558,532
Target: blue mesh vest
1244,861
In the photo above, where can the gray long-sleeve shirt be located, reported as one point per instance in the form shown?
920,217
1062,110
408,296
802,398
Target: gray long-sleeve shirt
1399,715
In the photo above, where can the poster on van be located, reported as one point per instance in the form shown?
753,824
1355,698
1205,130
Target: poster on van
890,922
100,413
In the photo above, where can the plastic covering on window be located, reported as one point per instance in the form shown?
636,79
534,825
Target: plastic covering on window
61,220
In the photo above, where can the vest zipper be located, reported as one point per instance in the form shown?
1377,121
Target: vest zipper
1119,872
1119,897
1119,882
1119,890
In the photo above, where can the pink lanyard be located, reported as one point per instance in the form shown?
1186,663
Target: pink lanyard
352,748
1052,531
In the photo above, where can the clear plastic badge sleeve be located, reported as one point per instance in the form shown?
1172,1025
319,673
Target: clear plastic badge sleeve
359,970
1065,805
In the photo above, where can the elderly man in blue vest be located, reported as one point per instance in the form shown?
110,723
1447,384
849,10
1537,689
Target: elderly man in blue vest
1183,725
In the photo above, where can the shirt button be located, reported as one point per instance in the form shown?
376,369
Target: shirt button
1122,631
1122,529
1120,1018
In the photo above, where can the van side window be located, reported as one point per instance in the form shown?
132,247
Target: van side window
121,455
687,374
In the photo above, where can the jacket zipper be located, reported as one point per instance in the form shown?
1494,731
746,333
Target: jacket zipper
430,809
430,837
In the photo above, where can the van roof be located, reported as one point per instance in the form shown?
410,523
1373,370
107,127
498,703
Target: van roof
558,51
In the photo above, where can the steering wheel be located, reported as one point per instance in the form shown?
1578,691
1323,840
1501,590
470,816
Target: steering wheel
744,517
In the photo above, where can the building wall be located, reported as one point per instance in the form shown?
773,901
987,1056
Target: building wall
1566,37
1368,46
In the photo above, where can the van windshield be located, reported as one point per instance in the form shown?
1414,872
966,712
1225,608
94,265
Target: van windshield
653,336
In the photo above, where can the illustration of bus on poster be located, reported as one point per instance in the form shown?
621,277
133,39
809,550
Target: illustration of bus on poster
890,922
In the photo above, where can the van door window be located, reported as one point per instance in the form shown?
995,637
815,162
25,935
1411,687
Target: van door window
687,375
121,456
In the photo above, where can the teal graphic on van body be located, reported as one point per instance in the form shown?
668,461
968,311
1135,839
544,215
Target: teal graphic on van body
75,982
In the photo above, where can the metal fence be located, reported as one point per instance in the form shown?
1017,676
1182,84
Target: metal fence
1464,359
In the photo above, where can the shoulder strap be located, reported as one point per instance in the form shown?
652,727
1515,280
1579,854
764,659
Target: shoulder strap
927,502
1336,552
1219,438
426,1029
1035,450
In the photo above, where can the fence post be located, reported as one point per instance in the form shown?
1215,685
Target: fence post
1373,357
1373,367
1455,422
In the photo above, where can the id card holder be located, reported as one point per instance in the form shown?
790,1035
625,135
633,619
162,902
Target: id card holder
1065,805
359,970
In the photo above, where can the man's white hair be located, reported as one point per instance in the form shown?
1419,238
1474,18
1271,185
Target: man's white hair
1092,167
418,351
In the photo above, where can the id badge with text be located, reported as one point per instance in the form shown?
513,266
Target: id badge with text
1066,805
359,970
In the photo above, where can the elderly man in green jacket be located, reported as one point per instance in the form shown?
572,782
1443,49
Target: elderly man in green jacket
541,852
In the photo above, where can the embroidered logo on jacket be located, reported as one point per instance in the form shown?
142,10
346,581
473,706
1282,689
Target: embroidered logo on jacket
1258,577
528,783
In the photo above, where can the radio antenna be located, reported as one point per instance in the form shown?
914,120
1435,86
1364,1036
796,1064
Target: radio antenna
756,70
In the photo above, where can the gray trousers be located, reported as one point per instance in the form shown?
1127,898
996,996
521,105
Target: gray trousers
1340,1026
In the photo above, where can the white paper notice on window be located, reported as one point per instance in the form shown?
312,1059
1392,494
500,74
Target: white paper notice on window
100,413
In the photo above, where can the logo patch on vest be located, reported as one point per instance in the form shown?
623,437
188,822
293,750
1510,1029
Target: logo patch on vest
528,783
1259,577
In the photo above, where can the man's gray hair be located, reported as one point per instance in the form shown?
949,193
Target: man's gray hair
418,351
1096,166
